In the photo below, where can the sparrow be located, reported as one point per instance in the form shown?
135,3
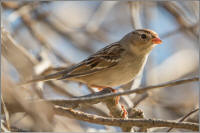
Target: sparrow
112,66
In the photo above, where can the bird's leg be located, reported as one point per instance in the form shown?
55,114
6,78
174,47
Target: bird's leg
100,88
117,97
125,113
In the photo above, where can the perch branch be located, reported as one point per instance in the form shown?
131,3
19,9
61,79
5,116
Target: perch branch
116,109
123,122
99,97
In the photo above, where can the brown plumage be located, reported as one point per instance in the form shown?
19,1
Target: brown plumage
114,65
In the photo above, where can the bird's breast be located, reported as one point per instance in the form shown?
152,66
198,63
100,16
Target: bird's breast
124,72
129,70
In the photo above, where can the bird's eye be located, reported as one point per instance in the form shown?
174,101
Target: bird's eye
143,36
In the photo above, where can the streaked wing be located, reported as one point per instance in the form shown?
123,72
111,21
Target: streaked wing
104,59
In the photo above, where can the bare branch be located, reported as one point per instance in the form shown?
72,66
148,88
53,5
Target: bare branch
3,126
185,117
123,122
11,50
116,109
13,5
140,99
135,14
178,14
189,28
5,110
31,23
99,16
99,97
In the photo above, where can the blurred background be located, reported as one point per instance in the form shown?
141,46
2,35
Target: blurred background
41,37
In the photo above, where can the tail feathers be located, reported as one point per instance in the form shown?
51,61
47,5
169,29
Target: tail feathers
44,78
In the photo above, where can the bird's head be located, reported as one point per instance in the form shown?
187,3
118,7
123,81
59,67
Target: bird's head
141,41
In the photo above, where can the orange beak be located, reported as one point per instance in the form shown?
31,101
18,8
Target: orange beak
156,40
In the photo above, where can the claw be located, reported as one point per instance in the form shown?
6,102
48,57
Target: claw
125,113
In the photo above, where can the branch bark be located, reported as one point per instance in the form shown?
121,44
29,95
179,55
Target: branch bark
116,109
122,122
99,97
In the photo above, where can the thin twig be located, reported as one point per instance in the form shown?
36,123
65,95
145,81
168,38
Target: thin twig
3,126
6,113
100,14
168,34
25,13
179,16
184,117
93,29
95,98
123,122
135,14
62,29
30,23
15,53
140,99
58,87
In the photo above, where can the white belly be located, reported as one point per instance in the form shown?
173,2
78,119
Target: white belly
118,75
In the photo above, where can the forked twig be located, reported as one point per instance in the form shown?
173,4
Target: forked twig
185,117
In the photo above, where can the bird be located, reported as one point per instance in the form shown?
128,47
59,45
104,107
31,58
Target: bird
112,66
